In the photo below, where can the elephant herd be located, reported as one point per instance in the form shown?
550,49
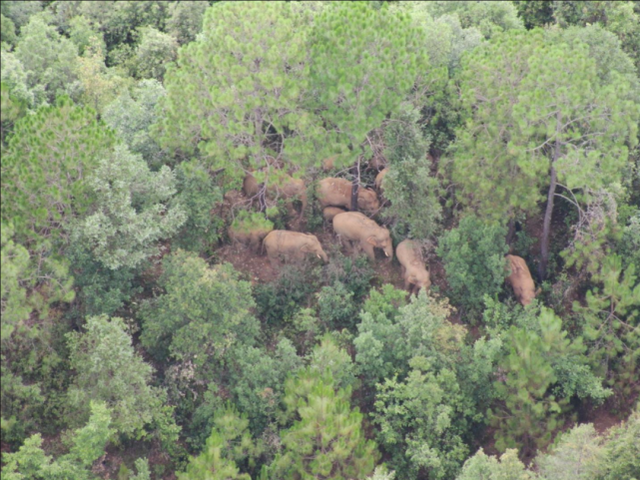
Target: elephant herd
363,233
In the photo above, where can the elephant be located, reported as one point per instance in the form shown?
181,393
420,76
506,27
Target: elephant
520,280
292,246
290,189
377,162
416,276
356,227
380,178
329,212
251,238
336,192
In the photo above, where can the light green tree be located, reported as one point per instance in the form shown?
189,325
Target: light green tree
155,50
489,17
202,314
109,370
229,442
88,444
612,324
484,467
543,370
15,261
131,212
473,257
48,59
249,113
131,115
326,440
543,124
364,61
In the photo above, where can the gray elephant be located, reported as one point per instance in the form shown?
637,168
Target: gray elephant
356,227
336,192
292,246
414,272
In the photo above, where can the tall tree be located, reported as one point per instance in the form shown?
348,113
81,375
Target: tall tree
326,440
248,114
364,62
544,121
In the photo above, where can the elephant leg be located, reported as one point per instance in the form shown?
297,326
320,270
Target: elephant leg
368,249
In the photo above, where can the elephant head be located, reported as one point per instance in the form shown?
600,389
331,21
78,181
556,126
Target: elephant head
368,200
381,239
312,245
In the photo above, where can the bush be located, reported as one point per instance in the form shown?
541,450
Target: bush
336,307
473,256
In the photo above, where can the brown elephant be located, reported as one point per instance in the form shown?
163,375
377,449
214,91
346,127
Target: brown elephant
292,246
290,189
377,162
415,275
356,227
251,238
380,178
329,212
336,192
521,280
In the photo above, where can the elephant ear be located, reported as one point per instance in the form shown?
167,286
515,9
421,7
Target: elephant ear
372,240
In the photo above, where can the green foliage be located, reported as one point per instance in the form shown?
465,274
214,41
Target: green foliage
257,380
197,195
621,450
535,13
45,167
83,33
15,262
11,111
109,370
89,442
99,290
620,18
131,213
185,20
612,316
489,17
229,442
48,60
203,312
417,420
7,31
355,274
279,301
509,180
326,440
577,455
629,246
154,51
14,78
364,62
473,257
21,11
421,407
328,356
481,466
247,222
259,56
336,308
537,357
131,115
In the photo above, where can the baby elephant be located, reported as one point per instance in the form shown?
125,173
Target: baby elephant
356,227
292,246
414,272
520,280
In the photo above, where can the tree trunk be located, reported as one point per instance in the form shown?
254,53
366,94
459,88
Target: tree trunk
511,232
546,230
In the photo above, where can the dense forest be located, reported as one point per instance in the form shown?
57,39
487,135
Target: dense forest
320,240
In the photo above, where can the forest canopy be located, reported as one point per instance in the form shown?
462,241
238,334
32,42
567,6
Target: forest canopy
320,240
